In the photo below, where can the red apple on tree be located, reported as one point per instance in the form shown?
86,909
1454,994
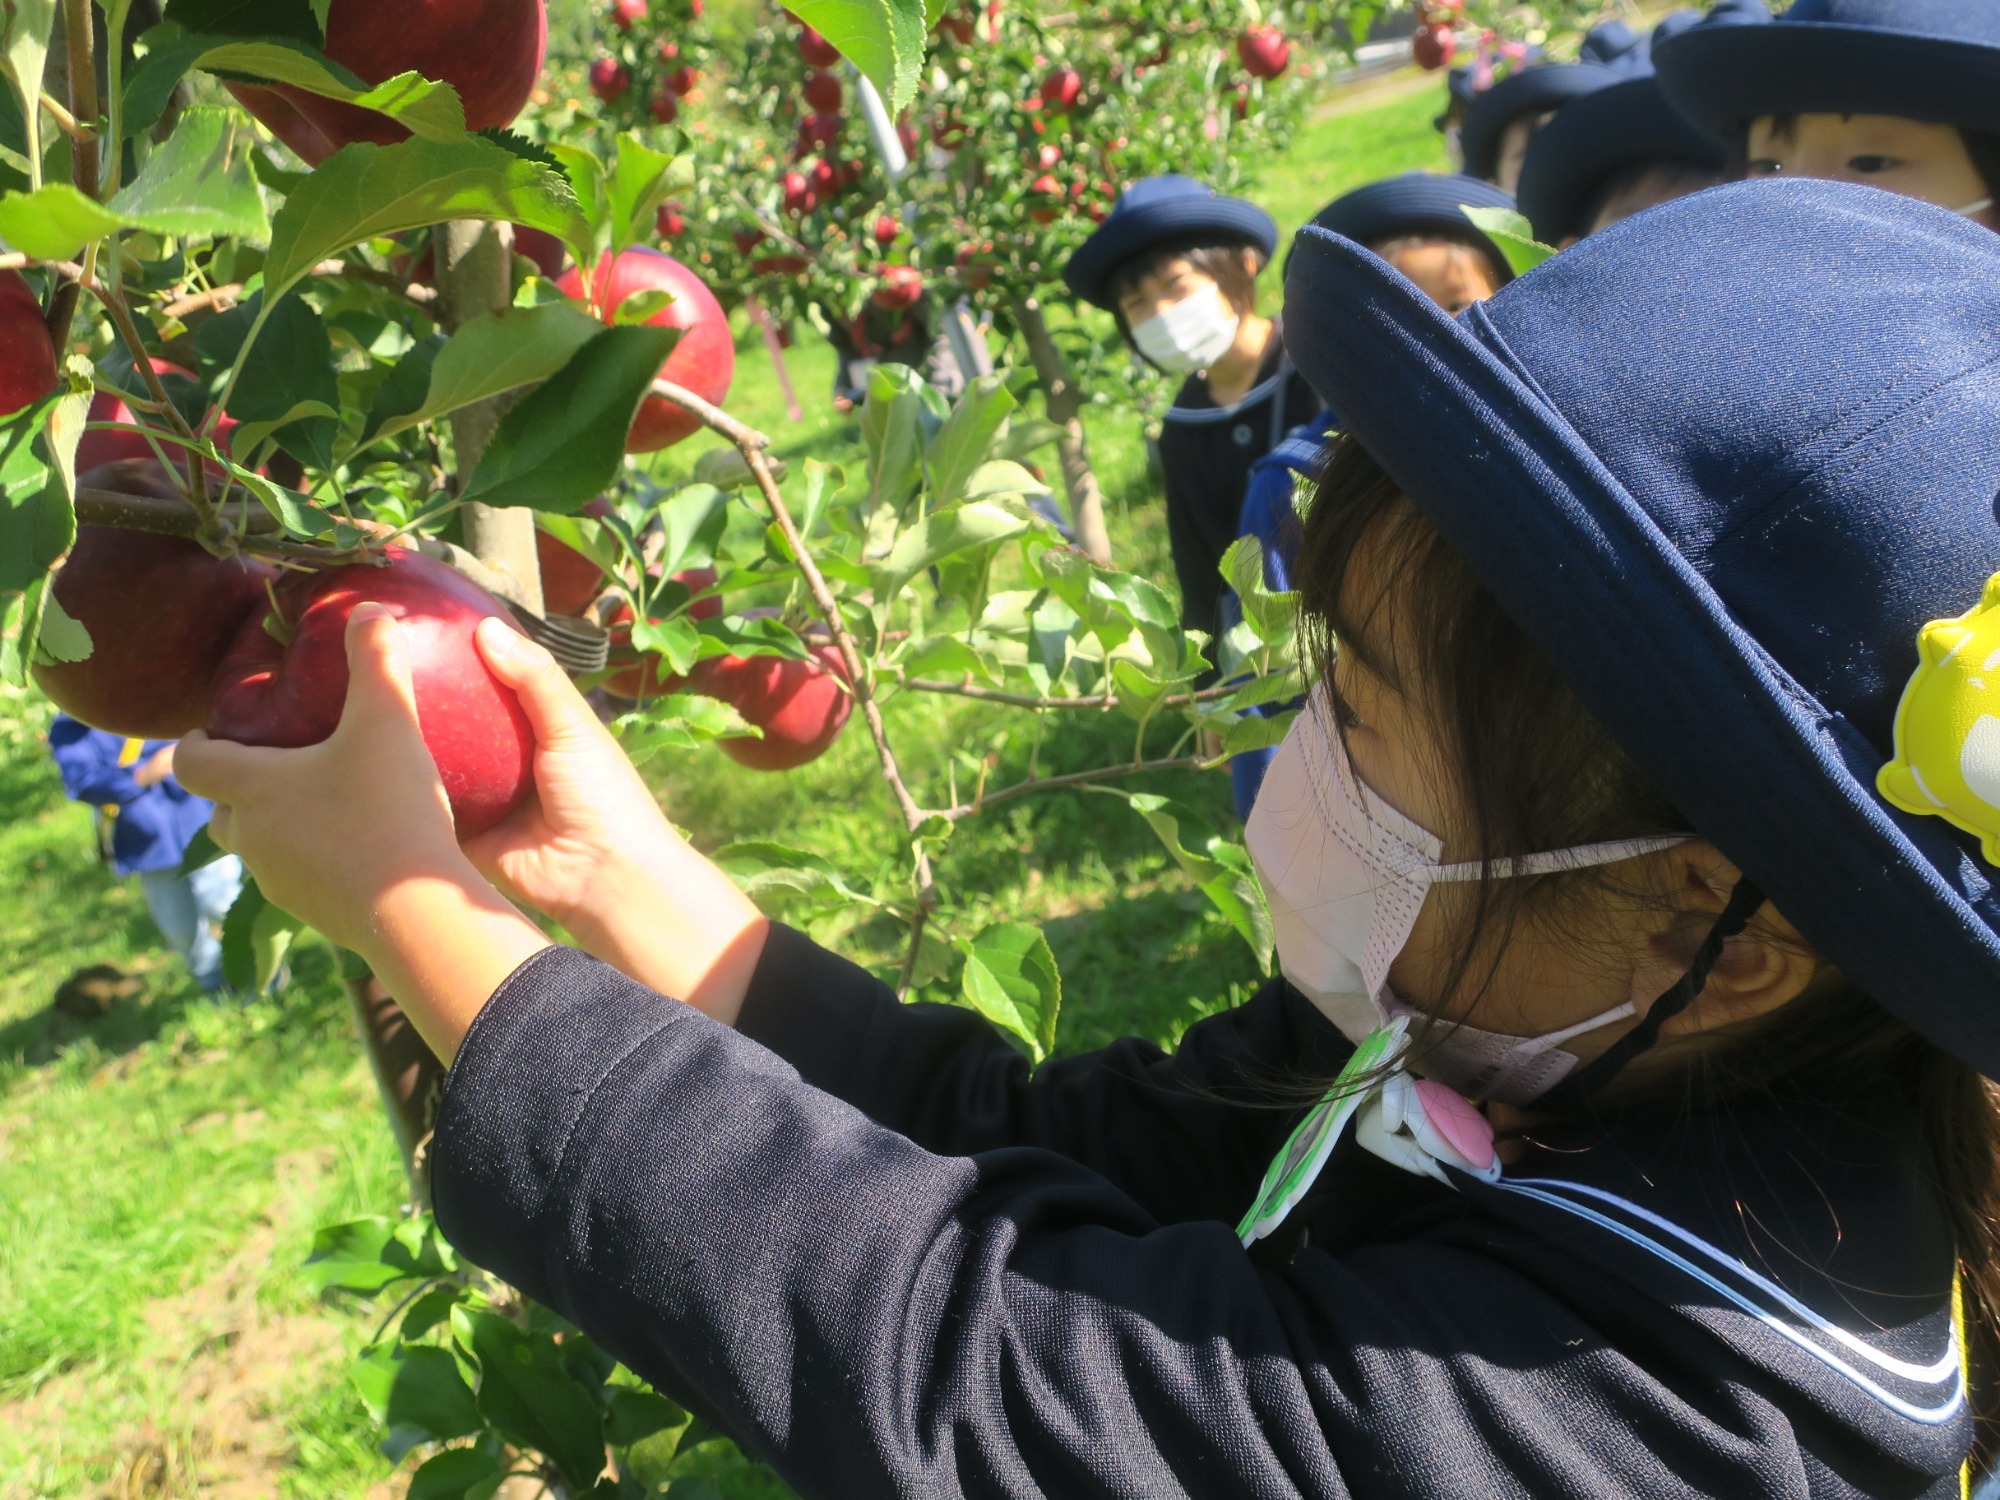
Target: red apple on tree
823,91
161,612
668,222
1050,192
958,26
901,287
609,79
664,106
541,247
103,447
887,227
290,692
800,705
489,50
704,361
816,49
1060,89
27,356
1263,51
683,79
1433,46
645,678
571,582
625,12
797,193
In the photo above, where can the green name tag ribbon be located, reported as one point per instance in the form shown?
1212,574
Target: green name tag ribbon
1294,1169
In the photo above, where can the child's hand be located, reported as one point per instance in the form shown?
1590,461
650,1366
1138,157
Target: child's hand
328,829
594,851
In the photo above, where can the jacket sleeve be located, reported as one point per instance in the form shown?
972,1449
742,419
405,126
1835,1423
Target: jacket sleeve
1186,1136
875,1319
89,767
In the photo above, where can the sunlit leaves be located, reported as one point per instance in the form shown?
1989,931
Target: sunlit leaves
883,38
1011,979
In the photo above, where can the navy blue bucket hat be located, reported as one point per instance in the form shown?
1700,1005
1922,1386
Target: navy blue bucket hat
1629,124
1724,509
1932,60
1417,203
1164,210
1532,91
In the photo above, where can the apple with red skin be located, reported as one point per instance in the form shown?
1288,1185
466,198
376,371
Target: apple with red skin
817,131
161,612
668,223
645,678
746,240
571,582
1060,89
823,91
1433,46
664,106
489,50
887,227
779,265
625,12
290,693
1263,51
901,288
800,705
797,193
816,49
959,27
609,79
826,178
27,355
683,79
704,361
1045,187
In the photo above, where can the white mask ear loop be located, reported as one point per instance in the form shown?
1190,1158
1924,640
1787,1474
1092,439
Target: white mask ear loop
1975,208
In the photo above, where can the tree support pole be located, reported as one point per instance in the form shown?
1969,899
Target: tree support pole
1065,406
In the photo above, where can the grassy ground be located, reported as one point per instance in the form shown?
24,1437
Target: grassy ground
162,1167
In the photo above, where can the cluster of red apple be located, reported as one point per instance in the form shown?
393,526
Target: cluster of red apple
1435,41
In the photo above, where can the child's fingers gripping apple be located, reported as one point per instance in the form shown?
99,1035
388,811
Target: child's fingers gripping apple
329,830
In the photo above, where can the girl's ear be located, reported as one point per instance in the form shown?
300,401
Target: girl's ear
1761,968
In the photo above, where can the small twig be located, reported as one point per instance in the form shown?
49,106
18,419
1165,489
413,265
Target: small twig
67,121
14,260
80,32
164,517
1029,700
1075,778
217,298
751,444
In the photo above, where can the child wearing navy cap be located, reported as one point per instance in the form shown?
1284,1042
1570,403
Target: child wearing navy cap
1635,874
1175,264
1898,94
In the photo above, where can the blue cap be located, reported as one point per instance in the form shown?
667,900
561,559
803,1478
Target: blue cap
1630,124
1416,203
1932,60
1157,211
1531,91
1724,507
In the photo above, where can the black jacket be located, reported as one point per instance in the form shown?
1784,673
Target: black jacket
967,1280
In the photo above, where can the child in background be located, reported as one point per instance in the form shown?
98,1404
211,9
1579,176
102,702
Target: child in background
1417,223
1176,265
1605,814
1897,94
146,820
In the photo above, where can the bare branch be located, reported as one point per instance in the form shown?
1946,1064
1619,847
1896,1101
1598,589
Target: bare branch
1029,700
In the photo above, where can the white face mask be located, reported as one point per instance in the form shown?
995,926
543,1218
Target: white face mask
1190,334
1345,875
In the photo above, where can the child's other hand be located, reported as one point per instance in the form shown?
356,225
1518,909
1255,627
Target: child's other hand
330,830
593,850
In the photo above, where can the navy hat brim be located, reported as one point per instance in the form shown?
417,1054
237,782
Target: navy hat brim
1723,76
1782,786
1624,125
1185,220
1530,91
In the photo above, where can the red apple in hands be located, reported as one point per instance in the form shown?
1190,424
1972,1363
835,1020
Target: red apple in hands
704,361
27,357
288,694
161,612
489,50
800,705
1263,51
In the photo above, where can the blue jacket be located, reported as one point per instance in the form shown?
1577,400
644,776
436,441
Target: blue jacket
151,826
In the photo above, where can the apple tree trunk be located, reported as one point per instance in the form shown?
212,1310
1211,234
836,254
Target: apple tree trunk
1065,408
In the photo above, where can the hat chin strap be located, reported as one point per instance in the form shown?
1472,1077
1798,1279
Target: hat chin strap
1744,903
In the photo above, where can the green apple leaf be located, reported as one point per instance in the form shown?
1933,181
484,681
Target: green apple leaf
37,510
366,1255
1011,979
256,936
892,429
1514,235
938,535
630,1415
525,1392
199,185
563,443
457,1474
418,104
640,180
489,355
299,20
286,379
1218,866
415,1392
883,38
54,222
364,191
961,445
1274,614
25,26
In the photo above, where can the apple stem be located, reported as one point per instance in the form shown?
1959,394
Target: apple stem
275,624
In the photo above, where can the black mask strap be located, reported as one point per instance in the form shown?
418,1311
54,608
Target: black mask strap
1744,902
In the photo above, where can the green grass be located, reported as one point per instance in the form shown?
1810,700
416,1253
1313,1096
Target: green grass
162,1168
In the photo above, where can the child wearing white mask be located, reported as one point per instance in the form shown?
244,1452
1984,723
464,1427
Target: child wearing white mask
1176,265
1636,801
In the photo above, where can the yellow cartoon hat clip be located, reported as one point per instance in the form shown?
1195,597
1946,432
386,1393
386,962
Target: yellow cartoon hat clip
1947,760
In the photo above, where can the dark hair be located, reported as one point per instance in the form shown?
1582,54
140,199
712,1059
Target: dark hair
1225,265
1466,239
1666,180
1536,771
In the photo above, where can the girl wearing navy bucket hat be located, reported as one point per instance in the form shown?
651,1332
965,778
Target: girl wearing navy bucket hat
1617,1127
1899,94
1176,263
